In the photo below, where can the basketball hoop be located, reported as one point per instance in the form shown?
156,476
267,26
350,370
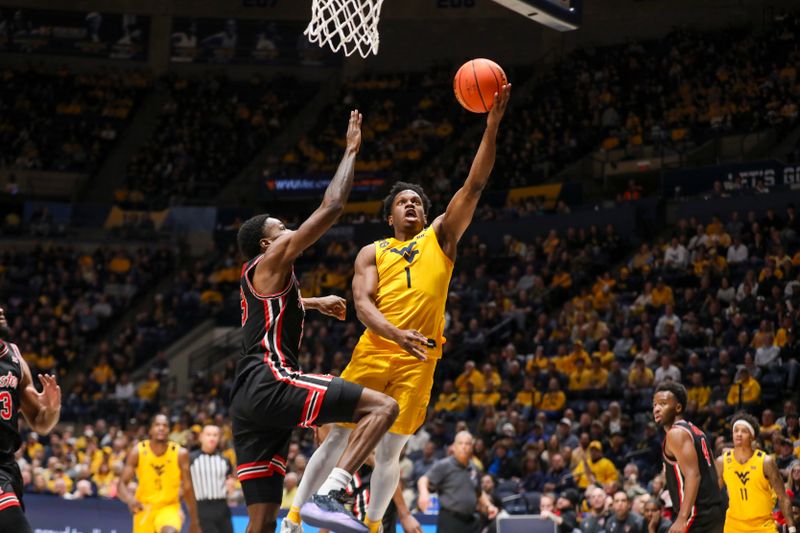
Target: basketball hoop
348,25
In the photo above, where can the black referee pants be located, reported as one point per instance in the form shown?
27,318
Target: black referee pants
452,522
215,516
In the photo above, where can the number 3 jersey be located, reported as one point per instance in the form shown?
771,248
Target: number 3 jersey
10,379
708,504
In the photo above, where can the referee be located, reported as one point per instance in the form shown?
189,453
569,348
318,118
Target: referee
209,471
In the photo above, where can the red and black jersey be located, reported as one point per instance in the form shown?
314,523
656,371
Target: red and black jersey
708,504
272,328
10,400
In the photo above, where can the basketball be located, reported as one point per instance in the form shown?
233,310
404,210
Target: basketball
476,82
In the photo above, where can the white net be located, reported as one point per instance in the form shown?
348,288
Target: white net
347,25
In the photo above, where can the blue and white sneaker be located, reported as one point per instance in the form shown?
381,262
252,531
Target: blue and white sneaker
328,512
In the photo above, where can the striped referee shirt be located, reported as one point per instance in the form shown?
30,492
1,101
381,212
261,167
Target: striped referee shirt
209,472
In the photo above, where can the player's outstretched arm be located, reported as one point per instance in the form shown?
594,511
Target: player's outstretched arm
40,409
123,492
681,445
365,290
286,249
773,474
450,226
331,305
188,490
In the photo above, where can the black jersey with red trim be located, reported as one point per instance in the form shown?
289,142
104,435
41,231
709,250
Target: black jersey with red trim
272,326
359,490
708,504
10,378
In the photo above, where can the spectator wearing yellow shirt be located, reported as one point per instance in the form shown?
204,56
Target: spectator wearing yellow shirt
570,362
661,294
768,424
490,374
698,392
470,380
717,263
553,400
119,264
782,335
102,373
450,400
489,397
604,353
745,390
538,360
595,468
33,448
105,480
579,378
528,397
561,280
640,376
602,300
57,474
598,376
148,390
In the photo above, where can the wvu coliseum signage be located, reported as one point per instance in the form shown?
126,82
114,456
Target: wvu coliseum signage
739,176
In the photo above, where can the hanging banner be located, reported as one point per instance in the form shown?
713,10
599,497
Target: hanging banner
74,33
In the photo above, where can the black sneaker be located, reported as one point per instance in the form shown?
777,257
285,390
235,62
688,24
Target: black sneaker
328,512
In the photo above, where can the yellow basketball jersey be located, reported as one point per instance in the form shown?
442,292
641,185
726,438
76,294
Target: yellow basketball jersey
159,476
413,278
750,494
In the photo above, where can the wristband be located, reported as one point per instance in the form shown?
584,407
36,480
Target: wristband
792,529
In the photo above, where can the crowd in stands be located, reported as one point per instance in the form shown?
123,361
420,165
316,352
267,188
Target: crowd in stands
208,129
60,298
407,117
551,360
555,343
64,121
672,93
108,393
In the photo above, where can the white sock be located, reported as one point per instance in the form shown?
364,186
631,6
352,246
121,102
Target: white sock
338,479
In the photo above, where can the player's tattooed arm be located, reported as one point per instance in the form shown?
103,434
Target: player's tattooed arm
450,226
365,291
286,249
40,409
773,474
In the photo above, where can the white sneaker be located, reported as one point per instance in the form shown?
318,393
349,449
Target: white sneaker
287,526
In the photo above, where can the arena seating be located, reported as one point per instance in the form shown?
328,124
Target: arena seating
65,121
208,130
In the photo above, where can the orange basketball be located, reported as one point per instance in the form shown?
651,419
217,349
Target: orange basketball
476,82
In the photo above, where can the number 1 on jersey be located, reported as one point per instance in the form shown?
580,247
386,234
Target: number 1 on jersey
408,276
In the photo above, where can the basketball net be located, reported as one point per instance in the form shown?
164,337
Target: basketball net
347,25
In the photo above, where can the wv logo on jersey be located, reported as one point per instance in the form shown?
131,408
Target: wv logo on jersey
408,252
158,468
744,477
